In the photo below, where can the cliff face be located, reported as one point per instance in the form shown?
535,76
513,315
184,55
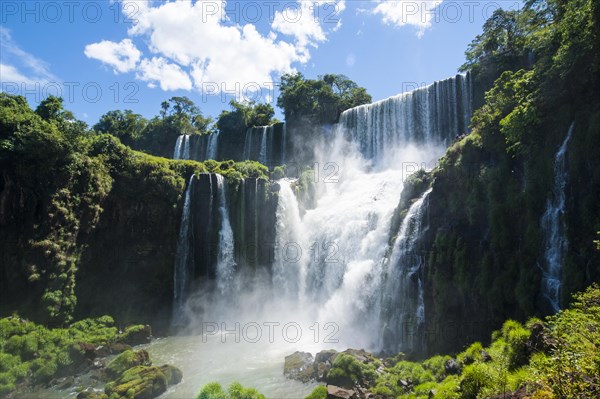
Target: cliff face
126,269
484,239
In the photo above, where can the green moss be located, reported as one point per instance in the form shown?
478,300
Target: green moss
127,360
214,390
347,370
319,392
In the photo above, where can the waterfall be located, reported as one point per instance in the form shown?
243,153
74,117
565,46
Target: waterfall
225,258
437,113
262,157
403,308
555,241
178,144
183,258
330,263
213,146
186,147
287,272
182,147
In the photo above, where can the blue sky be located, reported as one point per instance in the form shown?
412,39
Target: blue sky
105,55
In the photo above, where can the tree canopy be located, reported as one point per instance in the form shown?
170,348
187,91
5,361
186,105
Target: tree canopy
319,100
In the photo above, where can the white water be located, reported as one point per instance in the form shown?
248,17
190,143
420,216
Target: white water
287,271
225,259
178,144
335,288
213,146
403,316
555,243
186,147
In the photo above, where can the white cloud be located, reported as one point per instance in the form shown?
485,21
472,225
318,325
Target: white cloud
10,74
122,57
169,76
202,40
407,12
19,66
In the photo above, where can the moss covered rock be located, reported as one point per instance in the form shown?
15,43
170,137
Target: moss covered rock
140,382
127,360
136,335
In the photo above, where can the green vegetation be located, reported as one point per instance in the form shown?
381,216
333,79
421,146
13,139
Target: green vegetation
242,116
214,390
319,101
538,67
178,115
556,358
346,371
33,354
57,179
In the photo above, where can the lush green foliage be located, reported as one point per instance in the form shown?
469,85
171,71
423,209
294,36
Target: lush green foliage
347,370
178,115
559,358
66,174
319,100
538,67
33,354
214,390
242,116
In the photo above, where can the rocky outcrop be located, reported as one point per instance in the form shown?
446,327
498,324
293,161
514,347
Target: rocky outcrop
352,369
127,360
299,366
140,382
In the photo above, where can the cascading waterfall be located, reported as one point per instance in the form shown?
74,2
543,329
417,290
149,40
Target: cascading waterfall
266,144
555,242
262,156
184,256
182,147
213,146
177,151
287,271
403,308
329,264
435,113
226,257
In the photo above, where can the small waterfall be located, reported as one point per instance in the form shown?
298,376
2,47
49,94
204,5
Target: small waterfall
288,276
226,257
403,307
555,242
184,257
178,144
182,147
213,146
186,147
262,156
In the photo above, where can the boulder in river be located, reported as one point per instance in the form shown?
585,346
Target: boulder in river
299,366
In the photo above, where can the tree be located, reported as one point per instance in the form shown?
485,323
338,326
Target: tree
185,116
319,100
242,116
125,125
